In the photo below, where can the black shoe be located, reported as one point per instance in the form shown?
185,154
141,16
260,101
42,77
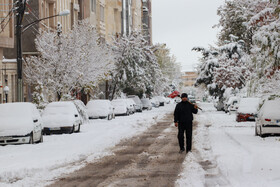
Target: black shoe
182,150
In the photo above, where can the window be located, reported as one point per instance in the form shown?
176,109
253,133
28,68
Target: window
93,6
102,13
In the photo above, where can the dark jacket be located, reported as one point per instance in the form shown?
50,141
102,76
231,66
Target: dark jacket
184,112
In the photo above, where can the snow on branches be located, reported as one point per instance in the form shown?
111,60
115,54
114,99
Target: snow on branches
69,62
223,67
136,67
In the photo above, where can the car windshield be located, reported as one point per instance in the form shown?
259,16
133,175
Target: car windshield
146,101
62,109
118,103
98,104
14,110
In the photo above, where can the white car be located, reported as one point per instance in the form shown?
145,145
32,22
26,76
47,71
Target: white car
155,102
161,100
147,104
138,106
61,117
268,120
121,107
100,109
20,123
231,104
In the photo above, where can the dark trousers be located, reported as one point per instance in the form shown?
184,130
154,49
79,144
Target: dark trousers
185,128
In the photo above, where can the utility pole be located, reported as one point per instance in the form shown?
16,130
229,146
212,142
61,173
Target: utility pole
20,8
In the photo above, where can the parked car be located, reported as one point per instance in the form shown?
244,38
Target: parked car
131,105
155,102
138,103
121,107
81,107
161,100
147,105
21,123
231,104
247,109
100,109
268,118
191,98
61,117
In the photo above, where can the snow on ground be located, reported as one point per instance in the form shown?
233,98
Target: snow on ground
39,164
227,153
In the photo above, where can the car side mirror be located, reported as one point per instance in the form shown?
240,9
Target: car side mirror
76,115
35,120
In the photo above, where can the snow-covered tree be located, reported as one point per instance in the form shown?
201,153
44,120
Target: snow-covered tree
223,67
136,68
170,69
68,63
265,51
234,17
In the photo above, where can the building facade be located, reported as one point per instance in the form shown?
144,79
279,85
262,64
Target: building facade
147,20
7,77
189,78
109,17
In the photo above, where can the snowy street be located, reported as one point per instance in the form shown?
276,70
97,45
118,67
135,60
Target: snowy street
227,153
40,164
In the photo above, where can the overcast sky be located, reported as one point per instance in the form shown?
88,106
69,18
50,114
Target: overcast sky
184,24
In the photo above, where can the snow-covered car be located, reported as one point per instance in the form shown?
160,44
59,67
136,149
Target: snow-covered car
247,110
61,117
100,109
147,105
231,104
131,105
161,100
268,120
191,98
121,107
81,107
138,103
155,102
168,100
20,123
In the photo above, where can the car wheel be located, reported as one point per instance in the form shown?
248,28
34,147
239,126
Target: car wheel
31,140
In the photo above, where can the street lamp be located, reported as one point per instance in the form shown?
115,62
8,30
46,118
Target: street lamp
62,13
6,91
21,5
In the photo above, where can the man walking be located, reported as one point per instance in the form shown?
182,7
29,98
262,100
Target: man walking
183,117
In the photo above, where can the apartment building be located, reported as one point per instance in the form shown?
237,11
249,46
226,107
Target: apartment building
147,20
110,17
7,71
189,78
